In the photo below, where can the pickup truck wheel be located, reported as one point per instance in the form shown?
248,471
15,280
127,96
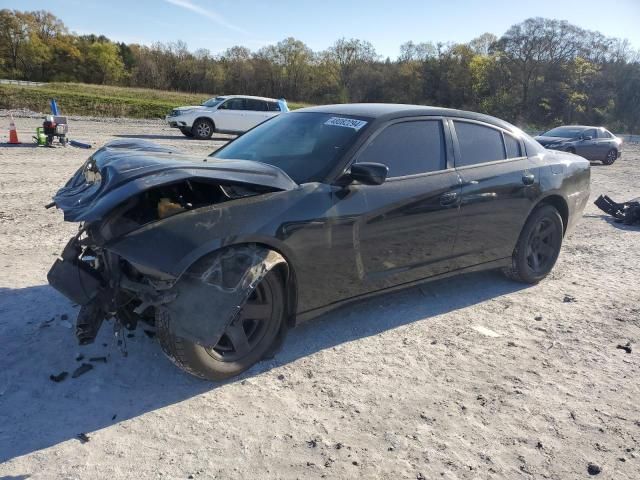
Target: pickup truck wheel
538,246
187,132
202,129
258,329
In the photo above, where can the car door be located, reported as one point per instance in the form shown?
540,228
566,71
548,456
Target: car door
230,116
602,143
587,145
408,225
496,191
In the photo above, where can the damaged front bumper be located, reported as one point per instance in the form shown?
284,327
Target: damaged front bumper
200,304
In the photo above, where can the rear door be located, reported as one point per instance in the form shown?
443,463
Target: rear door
496,191
409,223
256,112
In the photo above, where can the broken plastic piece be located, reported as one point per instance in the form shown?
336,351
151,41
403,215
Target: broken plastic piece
58,378
628,212
81,370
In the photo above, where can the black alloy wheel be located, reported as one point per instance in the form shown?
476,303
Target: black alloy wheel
543,246
254,321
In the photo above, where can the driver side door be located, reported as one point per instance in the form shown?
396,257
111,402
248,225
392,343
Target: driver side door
406,227
230,115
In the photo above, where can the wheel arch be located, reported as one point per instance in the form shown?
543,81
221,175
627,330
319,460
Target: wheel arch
286,271
208,119
560,204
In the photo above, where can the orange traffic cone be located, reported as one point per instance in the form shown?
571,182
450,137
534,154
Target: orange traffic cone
13,133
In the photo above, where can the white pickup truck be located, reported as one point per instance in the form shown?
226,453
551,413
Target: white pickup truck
224,114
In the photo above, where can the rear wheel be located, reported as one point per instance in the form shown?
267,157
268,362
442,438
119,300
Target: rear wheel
202,129
187,132
538,246
612,156
249,338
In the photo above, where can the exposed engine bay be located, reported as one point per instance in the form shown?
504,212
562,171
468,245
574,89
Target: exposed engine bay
124,188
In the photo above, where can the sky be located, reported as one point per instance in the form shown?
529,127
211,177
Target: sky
219,24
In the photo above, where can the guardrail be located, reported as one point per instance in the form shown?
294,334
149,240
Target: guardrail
22,82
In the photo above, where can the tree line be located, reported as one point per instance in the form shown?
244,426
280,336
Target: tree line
539,73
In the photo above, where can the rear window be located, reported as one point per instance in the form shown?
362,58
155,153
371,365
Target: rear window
478,144
512,146
305,145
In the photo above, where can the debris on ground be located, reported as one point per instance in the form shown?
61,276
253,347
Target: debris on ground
626,212
81,370
569,299
98,359
593,469
83,437
626,348
59,377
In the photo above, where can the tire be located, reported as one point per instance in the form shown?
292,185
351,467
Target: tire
187,132
202,129
612,156
538,246
223,361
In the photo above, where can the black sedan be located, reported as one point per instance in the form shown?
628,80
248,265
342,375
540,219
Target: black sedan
592,143
303,213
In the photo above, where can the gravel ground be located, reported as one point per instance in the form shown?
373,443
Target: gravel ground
474,377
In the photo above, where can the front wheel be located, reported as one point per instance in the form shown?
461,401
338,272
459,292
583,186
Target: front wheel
202,129
257,330
538,246
612,156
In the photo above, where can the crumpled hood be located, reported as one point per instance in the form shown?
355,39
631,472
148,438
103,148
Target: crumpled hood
551,140
124,168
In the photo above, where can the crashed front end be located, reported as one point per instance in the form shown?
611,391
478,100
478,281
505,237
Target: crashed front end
129,186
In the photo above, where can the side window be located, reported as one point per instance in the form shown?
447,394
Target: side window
255,105
408,148
590,133
478,144
273,106
512,146
604,134
233,104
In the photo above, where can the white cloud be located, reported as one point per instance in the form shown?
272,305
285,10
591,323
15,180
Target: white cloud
216,17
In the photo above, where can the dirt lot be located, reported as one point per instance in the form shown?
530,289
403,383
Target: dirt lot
474,377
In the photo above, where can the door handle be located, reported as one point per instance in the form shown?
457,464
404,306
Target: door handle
528,178
448,198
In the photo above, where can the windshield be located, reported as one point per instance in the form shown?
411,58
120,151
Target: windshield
212,102
564,132
305,145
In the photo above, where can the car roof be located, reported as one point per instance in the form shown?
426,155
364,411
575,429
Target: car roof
266,99
390,111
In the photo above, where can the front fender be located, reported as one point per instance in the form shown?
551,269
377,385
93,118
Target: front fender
211,293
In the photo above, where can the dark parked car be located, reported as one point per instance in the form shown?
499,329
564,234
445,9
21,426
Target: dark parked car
592,143
305,212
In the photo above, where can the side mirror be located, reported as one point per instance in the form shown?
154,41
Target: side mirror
369,173
586,137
